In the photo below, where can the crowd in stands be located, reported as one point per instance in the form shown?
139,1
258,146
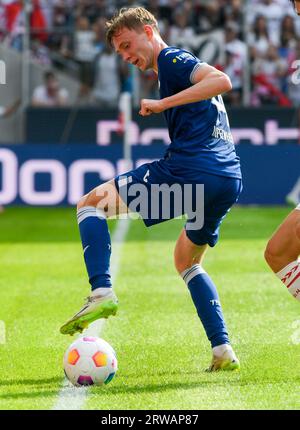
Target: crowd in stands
256,42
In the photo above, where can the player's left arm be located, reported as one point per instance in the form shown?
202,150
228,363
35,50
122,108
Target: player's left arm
207,82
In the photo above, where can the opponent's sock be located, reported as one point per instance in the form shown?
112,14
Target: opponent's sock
96,245
207,303
290,276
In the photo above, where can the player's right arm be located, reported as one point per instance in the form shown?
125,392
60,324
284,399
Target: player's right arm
207,82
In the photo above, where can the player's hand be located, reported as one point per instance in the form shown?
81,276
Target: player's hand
149,106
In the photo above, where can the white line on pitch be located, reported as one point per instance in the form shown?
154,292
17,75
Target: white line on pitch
74,398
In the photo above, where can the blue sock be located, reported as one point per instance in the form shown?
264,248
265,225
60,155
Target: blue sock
96,245
207,303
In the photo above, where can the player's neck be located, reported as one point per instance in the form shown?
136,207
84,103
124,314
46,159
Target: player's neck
159,46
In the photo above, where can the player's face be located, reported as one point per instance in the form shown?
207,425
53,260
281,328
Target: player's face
134,47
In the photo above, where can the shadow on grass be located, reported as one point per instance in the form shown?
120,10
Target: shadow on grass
36,388
29,395
159,388
37,381
228,379
111,390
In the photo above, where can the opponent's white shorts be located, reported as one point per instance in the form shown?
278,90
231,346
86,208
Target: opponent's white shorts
298,207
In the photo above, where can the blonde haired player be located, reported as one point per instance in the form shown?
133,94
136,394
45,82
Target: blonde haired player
201,152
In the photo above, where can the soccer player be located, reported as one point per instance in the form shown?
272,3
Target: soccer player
201,152
283,250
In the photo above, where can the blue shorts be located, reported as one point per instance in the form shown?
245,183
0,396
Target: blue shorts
138,188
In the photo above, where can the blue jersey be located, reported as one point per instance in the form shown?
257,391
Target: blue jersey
200,134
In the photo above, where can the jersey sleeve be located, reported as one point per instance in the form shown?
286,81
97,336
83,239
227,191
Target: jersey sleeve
180,66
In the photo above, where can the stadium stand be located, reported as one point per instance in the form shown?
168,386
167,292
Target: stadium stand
69,36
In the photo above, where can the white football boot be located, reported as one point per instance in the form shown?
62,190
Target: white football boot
224,358
96,307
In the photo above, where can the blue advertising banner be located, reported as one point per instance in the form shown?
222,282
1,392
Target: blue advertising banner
81,125
60,174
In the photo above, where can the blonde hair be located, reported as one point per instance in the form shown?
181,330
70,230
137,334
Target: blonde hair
133,18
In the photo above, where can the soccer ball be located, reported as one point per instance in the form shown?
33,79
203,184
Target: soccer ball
90,361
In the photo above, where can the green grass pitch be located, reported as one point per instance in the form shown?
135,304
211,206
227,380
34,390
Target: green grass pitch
161,346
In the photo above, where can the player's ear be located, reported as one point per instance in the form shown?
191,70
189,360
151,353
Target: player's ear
149,31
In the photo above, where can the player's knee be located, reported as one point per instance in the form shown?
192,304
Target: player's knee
181,262
84,201
93,198
268,255
271,253
81,203
297,230
181,267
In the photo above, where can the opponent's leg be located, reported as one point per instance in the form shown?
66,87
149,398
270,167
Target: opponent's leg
92,211
283,250
293,196
188,262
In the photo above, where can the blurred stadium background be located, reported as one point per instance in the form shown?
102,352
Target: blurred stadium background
62,132
257,42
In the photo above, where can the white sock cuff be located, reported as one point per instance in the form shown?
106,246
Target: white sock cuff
189,274
89,211
289,269
220,349
101,291
290,277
